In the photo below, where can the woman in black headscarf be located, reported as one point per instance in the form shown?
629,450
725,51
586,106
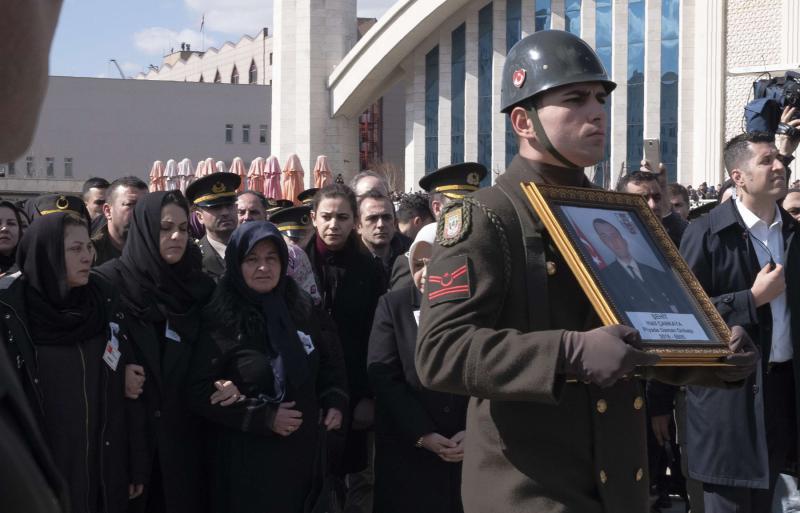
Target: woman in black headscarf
10,235
164,290
69,338
264,334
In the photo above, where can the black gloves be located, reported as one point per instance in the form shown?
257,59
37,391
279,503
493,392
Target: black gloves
744,359
603,355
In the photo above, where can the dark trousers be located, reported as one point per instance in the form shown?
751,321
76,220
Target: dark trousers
781,426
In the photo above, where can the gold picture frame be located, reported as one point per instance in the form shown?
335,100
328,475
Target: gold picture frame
677,320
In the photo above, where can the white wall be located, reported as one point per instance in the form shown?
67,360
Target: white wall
112,127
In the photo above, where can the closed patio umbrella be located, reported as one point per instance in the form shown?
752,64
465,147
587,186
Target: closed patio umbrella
292,181
237,168
157,176
255,175
272,187
322,172
171,179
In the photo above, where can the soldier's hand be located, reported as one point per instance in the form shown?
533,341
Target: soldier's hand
603,355
443,447
743,359
134,380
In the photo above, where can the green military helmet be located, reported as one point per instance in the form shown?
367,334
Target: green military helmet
546,60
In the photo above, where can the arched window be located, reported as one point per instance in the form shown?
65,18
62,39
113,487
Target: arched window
201,79
217,78
253,72
235,76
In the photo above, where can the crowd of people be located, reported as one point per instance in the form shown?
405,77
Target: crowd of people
223,352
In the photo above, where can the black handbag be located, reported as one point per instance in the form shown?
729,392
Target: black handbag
327,491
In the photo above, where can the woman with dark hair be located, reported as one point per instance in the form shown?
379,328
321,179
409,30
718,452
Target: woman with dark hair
164,291
264,334
67,334
10,235
350,283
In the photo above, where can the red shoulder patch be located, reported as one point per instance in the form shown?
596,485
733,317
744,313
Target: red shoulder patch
449,280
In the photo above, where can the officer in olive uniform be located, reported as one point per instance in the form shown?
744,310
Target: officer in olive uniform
444,185
554,424
274,205
307,196
294,223
214,196
53,203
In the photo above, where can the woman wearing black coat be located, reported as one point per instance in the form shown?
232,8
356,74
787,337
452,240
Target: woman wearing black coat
350,283
419,433
69,340
264,334
10,235
164,290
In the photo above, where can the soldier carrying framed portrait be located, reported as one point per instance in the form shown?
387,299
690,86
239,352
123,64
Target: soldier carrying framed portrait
632,272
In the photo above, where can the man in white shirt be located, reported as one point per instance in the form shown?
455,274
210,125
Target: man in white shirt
746,254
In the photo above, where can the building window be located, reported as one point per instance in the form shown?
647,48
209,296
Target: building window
246,134
432,110
635,84
51,166
217,78
604,45
270,58
670,28
228,133
253,75
572,16
543,10
29,166
458,78
68,167
369,136
485,89
12,169
262,134
513,34
235,76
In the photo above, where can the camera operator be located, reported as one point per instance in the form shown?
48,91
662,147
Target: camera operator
787,139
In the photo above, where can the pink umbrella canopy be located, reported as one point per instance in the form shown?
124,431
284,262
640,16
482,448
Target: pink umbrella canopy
171,179
157,177
292,182
209,167
219,167
255,175
272,187
322,172
237,168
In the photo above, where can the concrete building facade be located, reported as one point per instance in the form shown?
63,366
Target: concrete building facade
111,128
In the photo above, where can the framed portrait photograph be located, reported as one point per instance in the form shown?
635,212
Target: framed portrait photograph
632,272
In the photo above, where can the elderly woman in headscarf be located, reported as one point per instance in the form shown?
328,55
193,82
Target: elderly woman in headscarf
11,223
68,336
265,335
164,290
419,433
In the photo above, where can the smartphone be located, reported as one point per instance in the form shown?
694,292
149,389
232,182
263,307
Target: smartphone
652,153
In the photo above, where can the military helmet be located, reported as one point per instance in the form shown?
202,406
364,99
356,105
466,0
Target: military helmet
546,60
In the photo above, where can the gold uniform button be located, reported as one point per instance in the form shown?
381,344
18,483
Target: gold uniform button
603,477
639,474
551,268
638,403
602,406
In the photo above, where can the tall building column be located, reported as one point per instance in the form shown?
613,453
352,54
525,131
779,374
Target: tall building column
415,120
528,17
619,74
557,21
588,22
707,119
652,70
304,57
471,89
445,96
498,61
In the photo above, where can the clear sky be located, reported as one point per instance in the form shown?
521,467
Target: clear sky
139,32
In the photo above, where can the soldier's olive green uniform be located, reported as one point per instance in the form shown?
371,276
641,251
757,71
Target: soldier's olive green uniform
534,443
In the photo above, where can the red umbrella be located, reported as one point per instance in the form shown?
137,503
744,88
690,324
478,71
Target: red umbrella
255,175
237,168
272,188
157,177
292,182
322,172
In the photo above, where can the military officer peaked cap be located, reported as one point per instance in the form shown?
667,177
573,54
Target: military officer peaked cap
456,180
546,60
307,196
60,203
213,190
292,219
273,205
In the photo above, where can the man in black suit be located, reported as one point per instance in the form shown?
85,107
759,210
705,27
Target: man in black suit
636,287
